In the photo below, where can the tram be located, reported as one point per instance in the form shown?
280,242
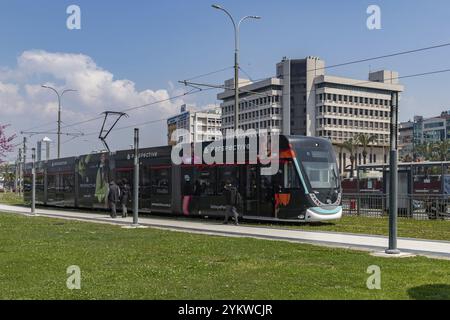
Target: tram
305,186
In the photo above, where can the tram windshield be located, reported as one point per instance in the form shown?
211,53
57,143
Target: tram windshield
319,165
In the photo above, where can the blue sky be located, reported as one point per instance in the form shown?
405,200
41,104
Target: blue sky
154,43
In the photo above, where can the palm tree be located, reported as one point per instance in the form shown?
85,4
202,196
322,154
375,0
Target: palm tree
365,141
442,150
426,150
351,145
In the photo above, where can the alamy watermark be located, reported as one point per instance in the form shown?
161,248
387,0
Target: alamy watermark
374,19
73,21
74,280
240,147
374,280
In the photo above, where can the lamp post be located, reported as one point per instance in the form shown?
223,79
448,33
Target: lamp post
236,59
60,95
393,175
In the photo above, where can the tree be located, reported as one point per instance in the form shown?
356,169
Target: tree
8,175
5,142
351,146
441,149
365,141
426,150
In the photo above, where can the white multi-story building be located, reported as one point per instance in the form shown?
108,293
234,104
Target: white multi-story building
303,100
200,125
260,105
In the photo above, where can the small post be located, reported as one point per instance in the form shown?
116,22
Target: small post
33,183
136,179
20,172
393,177
16,176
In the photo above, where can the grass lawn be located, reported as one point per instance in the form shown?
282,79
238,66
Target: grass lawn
409,228
11,198
154,264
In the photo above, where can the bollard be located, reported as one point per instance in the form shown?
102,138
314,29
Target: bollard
136,180
33,181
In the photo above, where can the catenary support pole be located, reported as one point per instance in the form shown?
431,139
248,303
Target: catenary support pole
136,179
393,175
16,180
20,172
33,181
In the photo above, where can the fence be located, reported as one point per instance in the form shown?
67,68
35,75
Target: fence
421,207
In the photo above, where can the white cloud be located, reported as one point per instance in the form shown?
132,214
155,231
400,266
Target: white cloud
24,103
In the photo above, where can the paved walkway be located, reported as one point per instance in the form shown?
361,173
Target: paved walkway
332,239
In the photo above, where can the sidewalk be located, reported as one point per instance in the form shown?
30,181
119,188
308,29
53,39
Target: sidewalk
332,239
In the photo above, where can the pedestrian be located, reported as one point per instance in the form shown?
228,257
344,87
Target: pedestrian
187,195
232,200
113,198
125,192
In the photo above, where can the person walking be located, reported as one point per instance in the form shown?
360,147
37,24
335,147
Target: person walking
113,198
187,195
232,201
125,192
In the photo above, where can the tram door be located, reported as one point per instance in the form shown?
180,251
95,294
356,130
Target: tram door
251,191
257,193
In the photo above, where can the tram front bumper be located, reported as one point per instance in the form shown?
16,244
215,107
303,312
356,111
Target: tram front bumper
323,213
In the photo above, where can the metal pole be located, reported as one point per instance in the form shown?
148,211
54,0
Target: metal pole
20,172
33,183
24,163
16,174
136,179
59,125
236,61
59,113
24,150
236,82
393,163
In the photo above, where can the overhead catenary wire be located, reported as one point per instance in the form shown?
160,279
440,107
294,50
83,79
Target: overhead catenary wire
356,61
215,87
209,73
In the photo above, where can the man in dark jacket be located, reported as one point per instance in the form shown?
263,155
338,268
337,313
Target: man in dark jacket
232,197
125,192
113,198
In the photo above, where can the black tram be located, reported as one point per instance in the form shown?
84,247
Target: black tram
304,187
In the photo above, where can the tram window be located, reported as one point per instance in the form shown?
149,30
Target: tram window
67,182
227,174
161,181
287,176
144,179
205,182
291,180
51,182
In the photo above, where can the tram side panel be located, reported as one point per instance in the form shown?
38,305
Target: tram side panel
94,175
155,177
60,182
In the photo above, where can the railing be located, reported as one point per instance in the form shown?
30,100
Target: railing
420,207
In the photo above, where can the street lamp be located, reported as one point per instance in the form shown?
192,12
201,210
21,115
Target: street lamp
59,113
236,59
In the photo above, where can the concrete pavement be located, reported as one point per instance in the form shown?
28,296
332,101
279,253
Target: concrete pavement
432,248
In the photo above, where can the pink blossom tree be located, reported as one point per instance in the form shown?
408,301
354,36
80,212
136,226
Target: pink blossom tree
5,142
